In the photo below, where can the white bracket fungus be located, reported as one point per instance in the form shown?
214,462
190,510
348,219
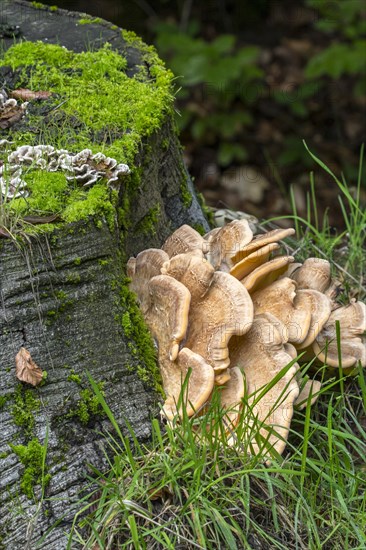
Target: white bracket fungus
84,167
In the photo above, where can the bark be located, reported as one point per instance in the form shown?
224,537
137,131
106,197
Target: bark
61,299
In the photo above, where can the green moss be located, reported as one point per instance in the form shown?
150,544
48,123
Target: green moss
73,377
205,209
165,144
77,261
199,228
96,203
26,404
3,400
61,295
99,93
185,194
104,263
63,303
88,405
141,344
73,278
89,21
51,193
53,8
39,5
48,191
147,226
32,457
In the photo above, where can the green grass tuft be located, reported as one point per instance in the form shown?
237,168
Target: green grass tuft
189,488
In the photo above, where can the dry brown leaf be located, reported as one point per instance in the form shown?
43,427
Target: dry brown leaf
26,369
164,493
10,116
28,95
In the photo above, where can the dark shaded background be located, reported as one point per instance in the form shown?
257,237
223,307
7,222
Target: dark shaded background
243,134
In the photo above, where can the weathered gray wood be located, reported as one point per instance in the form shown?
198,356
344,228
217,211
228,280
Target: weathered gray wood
60,298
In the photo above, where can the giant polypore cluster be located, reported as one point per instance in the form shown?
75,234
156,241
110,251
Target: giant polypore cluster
220,308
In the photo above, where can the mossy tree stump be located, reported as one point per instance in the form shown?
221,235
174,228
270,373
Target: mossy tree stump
63,289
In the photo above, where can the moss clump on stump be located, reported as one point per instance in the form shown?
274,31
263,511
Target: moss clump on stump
141,344
97,92
32,456
95,105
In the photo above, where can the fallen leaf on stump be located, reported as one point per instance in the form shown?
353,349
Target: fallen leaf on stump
28,95
12,116
26,369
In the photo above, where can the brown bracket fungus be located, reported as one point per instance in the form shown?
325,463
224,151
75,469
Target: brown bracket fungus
262,356
200,383
223,245
253,260
352,323
314,273
321,307
142,269
198,296
224,309
261,240
166,315
303,312
184,239
266,273
192,270
292,309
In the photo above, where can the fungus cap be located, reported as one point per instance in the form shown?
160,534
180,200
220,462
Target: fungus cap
167,316
223,245
184,239
141,269
192,270
313,274
198,386
226,309
261,240
321,307
293,309
266,273
253,260
352,322
261,355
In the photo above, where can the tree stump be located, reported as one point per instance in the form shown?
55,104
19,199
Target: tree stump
64,295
